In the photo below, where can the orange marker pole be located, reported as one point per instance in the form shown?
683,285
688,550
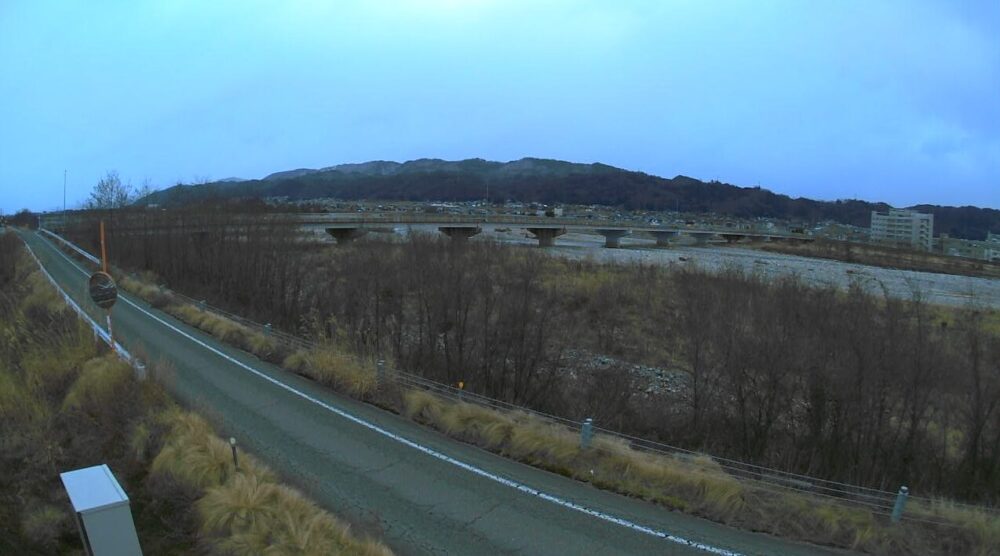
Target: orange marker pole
104,251
104,267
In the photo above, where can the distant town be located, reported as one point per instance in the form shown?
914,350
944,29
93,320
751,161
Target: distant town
896,228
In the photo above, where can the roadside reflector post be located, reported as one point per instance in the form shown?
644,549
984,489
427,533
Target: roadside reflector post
380,373
201,304
586,433
267,329
897,510
232,444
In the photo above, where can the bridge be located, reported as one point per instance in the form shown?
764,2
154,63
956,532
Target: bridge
345,227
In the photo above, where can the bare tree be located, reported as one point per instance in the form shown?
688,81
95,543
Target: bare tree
110,193
144,190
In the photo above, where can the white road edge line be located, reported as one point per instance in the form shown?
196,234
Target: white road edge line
103,334
429,451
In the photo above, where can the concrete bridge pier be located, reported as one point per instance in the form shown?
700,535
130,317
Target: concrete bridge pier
346,234
663,237
613,236
460,233
546,236
701,238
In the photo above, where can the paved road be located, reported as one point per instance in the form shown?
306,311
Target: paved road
425,493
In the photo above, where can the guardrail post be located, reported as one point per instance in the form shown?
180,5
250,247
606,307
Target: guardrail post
586,433
897,510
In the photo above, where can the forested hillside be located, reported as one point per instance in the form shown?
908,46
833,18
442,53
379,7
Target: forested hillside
554,182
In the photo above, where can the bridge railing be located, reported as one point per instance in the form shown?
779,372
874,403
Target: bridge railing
375,219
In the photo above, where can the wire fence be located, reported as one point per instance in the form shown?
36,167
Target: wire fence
879,502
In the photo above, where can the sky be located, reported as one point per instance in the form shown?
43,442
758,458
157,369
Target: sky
888,100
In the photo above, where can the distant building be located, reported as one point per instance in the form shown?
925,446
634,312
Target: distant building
992,247
967,248
903,227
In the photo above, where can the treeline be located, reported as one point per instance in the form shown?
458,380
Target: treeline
24,218
846,385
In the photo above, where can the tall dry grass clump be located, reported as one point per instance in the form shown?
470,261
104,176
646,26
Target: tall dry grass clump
100,381
153,294
228,331
330,367
697,484
250,516
196,458
246,511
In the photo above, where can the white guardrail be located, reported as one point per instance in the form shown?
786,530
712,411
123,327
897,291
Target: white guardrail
99,332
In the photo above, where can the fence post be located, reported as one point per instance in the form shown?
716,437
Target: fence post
586,433
897,510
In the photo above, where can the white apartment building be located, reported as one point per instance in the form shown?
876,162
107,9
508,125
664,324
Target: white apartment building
903,227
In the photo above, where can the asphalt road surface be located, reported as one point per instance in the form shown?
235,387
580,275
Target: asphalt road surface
422,492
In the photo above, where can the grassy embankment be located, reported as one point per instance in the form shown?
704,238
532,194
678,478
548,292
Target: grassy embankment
695,485
65,404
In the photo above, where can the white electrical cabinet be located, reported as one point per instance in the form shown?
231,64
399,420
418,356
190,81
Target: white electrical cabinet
102,512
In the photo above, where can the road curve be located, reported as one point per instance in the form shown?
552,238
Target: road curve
423,492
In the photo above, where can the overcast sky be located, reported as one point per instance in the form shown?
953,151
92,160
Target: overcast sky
881,100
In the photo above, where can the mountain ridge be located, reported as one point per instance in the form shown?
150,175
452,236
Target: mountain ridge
552,181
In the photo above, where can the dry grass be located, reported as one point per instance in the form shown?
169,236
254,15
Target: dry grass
41,295
44,524
261,345
227,331
251,516
697,485
99,382
195,457
246,511
296,362
328,366
151,293
983,527
221,328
